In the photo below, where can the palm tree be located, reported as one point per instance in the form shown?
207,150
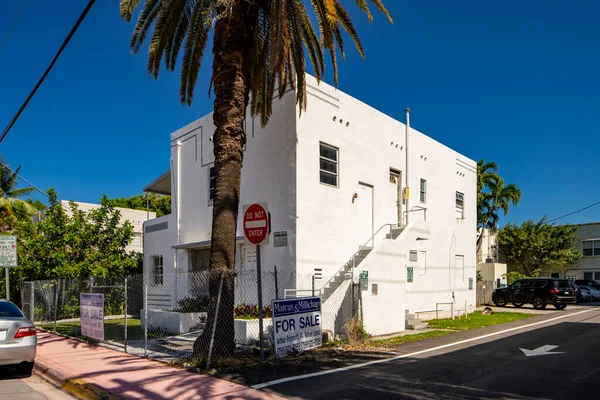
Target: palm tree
492,197
9,193
258,49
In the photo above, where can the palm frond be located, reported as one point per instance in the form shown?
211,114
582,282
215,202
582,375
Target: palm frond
363,6
145,21
195,45
174,45
19,192
380,6
164,30
346,23
127,8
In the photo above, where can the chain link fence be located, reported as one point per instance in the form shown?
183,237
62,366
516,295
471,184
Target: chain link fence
161,316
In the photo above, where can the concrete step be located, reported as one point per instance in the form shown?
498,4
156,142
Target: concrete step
413,321
361,255
408,316
417,327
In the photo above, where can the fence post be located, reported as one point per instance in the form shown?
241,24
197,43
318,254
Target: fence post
125,296
56,285
214,328
145,320
313,285
92,284
31,305
276,287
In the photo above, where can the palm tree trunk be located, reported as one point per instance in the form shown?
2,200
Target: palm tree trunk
232,49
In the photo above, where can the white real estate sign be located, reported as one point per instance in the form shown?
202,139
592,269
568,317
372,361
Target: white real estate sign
91,309
8,251
297,324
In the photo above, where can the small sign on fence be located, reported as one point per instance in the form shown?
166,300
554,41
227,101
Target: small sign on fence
91,306
297,324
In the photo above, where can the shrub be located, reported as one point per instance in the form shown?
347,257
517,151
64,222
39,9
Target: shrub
249,311
355,331
193,304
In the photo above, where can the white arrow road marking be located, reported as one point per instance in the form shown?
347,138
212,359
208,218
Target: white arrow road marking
541,351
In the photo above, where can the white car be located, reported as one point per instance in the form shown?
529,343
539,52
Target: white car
593,291
18,338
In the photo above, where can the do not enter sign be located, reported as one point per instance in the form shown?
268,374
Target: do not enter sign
256,223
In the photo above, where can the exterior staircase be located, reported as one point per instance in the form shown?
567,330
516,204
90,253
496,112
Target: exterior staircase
343,273
413,323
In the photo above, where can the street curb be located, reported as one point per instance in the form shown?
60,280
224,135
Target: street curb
79,388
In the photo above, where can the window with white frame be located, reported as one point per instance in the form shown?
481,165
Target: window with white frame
460,201
328,164
157,269
423,191
591,248
199,260
211,184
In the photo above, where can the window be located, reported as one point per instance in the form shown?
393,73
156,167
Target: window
555,275
328,164
596,276
199,260
9,310
516,285
460,200
423,190
591,248
211,184
588,276
157,269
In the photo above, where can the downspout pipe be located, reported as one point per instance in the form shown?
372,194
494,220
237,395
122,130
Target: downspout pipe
407,177
177,216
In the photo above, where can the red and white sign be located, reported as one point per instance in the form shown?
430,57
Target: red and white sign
256,224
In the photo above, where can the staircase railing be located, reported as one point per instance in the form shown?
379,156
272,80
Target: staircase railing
364,246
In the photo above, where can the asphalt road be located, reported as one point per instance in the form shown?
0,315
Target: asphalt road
492,367
18,387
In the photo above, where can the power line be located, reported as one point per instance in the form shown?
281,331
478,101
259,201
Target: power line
62,47
575,212
12,28
23,179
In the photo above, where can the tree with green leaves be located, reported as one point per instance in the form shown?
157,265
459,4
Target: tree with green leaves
536,246
258,48
70,243
493,197
159,204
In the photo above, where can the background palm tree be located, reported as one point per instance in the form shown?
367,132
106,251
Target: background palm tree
258,48
492,197
9,191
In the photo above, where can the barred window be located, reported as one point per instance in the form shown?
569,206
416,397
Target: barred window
157,269
328,164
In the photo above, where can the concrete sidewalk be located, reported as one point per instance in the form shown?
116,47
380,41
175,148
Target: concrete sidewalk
79,365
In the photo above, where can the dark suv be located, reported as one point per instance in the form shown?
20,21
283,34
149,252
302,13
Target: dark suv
537,291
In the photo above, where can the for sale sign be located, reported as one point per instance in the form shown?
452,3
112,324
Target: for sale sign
8,251
296,325
91,306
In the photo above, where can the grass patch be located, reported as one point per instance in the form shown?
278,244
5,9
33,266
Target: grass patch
477,320
407,338
113,330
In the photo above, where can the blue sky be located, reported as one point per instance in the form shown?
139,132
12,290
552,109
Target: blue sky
515,82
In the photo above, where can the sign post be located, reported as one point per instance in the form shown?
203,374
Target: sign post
8,257
256,232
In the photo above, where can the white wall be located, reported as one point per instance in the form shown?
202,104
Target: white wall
328,221
268,175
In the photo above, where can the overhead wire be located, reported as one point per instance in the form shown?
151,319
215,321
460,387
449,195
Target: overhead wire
12,28
574,212
60,50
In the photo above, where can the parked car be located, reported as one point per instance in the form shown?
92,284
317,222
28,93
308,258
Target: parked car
537,291
595,293
588,283
18,338
582,293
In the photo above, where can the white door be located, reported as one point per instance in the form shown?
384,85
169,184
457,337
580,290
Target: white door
365,213
249,253
396,193
459,268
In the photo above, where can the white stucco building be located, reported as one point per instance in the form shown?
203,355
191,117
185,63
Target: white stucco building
333,179
135,217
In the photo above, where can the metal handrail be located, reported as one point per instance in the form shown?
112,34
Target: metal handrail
359,249
416,208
